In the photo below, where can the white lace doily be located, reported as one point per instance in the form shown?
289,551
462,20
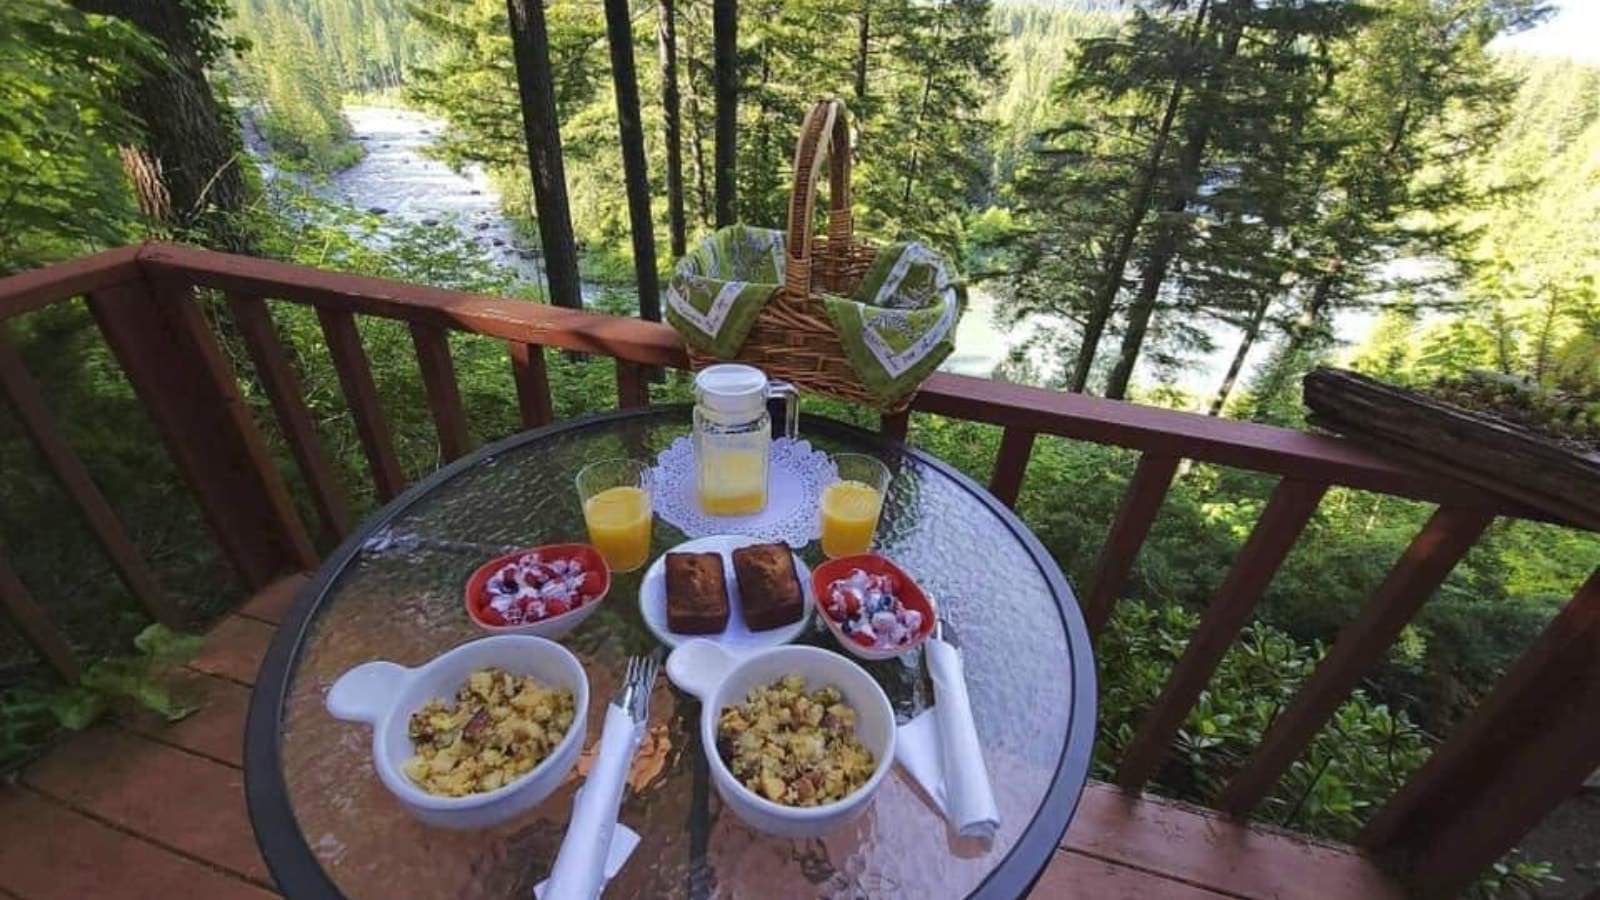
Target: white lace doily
797,476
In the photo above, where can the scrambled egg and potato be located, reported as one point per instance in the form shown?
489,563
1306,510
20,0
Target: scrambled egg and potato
501,726
794,747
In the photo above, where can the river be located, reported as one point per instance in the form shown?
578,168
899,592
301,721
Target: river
398,179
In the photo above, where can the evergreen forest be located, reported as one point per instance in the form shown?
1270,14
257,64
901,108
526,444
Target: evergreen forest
1183,203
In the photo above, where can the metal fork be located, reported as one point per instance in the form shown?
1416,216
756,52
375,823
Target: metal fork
579,871
637,683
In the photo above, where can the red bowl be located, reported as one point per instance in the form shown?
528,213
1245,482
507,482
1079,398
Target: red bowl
551,627
911,596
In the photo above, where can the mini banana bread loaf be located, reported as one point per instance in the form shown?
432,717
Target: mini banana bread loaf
697,593
769,588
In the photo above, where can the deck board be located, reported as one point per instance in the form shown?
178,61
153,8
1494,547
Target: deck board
234,649
272,603
143,808
1073,876
1201,847
50,852
215,730
182,801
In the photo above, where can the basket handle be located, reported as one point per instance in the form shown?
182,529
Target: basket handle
827,118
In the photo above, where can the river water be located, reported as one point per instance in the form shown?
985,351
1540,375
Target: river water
398,179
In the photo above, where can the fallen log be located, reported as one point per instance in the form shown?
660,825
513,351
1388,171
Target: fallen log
1478,448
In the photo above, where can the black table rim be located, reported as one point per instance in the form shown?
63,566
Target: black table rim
295,868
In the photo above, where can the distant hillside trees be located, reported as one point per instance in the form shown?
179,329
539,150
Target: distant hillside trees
1255,163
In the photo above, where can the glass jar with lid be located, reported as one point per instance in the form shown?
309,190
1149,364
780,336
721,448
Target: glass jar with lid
733,436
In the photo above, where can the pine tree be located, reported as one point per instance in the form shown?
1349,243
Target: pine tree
1535,284
530,42
923,144
619,35
1417,97
725,66
1086,195
672,122
1300,148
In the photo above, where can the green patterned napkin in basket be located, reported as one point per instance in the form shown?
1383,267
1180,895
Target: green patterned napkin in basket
900,322
896,328
719,287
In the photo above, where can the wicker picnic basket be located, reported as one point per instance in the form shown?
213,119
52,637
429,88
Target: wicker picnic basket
793,338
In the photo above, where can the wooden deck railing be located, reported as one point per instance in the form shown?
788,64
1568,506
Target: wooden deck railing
1523,750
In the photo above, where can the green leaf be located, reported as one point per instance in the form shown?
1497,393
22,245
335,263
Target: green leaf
166,647
77,708
160,699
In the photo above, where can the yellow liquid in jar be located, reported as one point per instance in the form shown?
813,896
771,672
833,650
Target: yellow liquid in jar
850,512
733,484
619,526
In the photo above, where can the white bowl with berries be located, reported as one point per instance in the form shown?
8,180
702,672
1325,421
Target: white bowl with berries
874,609
545,591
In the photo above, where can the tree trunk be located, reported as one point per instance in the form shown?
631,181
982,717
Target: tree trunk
1251,332
697,137
1544,344
636,178
667,39
1153,273
863,44
186,168
922,109
1169,237
1157,262
1309,321
1117,257
764,163
530,46
725,37
1506,457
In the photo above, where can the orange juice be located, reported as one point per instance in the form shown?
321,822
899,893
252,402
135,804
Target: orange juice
849,517
732,483
619,526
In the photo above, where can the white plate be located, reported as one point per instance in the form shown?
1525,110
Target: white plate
737,637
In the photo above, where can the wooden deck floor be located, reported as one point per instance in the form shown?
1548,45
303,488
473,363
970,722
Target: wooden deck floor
142,809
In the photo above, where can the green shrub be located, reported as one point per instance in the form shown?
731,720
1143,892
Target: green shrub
1355,763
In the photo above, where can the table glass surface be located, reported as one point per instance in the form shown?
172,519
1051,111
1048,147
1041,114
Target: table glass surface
404,604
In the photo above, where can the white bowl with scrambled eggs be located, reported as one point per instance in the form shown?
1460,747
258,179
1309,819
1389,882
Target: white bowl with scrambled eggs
812,734
476,736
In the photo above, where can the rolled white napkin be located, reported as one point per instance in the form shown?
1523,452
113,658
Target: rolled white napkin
596,845
940,749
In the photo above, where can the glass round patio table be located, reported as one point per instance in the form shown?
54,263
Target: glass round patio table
327,826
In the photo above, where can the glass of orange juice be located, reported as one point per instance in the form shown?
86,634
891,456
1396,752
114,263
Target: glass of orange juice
617,510
851,505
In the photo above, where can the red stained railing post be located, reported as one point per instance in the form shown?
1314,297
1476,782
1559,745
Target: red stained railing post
20,388
1011,464
444,395
1140,504
533,384
251,317
1285,516
632,391
1361,645
35,625
169,354
361,394
1525,749
893,426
